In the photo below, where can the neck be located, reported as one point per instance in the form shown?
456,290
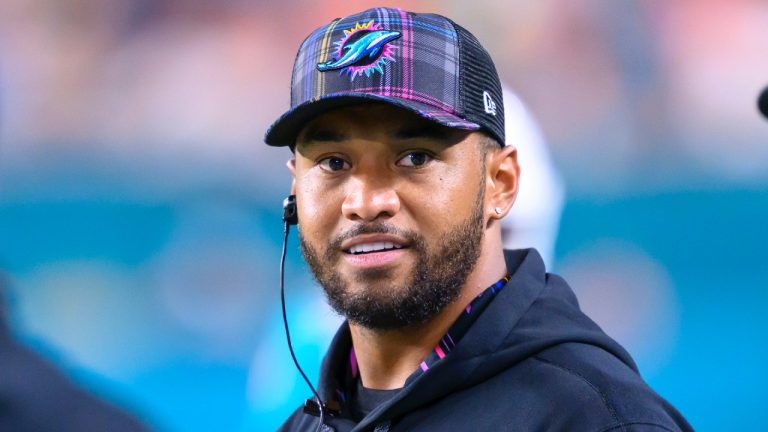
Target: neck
387,358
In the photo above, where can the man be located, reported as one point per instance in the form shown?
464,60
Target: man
401,176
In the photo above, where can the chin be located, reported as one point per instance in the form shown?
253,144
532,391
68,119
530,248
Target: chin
389,279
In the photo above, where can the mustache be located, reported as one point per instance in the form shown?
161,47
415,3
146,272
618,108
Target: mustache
413,238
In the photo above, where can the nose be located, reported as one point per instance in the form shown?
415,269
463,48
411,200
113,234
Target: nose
368,201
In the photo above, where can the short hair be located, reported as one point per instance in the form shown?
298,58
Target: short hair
487,144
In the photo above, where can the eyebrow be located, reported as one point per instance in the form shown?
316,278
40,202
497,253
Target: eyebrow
319,134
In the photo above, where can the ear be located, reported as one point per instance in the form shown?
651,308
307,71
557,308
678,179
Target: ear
503,174
291,164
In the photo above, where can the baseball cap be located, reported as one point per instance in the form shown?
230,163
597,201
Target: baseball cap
425,63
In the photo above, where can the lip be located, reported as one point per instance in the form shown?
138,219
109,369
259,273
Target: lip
374,259
372,238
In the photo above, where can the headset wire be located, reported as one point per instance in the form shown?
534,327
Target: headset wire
286,230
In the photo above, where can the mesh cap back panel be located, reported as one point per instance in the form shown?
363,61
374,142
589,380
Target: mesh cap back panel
478,76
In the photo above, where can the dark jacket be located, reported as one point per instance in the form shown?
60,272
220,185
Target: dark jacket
37,397
532,361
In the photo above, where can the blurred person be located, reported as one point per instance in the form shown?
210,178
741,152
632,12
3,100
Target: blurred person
401,176
535,218
37,397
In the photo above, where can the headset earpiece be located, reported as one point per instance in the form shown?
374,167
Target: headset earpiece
290,214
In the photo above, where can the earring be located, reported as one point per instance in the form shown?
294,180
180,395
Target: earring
498,211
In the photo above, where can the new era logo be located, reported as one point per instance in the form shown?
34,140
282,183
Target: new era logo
489,104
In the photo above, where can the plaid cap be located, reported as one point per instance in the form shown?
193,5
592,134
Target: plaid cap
425,63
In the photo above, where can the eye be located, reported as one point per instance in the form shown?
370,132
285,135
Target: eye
334,163
415,159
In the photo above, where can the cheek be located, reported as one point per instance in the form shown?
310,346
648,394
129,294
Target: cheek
318,207
445,201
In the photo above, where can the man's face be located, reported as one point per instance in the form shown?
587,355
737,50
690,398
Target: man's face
390,212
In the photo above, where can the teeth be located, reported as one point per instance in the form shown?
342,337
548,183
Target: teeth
371,247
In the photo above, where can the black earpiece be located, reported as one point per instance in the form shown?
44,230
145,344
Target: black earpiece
290,214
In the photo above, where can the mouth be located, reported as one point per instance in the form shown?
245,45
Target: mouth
374,250
373,243
365,248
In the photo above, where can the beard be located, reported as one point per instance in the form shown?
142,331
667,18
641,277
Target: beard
436,280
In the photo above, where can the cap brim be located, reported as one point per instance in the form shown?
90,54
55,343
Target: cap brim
284,131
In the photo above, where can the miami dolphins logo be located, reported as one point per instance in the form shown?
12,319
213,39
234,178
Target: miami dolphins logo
364,49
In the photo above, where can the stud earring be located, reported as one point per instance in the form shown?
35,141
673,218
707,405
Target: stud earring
498,211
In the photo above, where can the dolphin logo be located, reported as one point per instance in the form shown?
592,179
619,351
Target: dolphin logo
368,46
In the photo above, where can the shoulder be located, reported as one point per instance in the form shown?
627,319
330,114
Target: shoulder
583,378
566,387
294,422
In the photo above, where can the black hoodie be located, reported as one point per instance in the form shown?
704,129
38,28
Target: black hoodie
532,361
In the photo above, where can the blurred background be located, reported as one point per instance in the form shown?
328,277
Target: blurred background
140,210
